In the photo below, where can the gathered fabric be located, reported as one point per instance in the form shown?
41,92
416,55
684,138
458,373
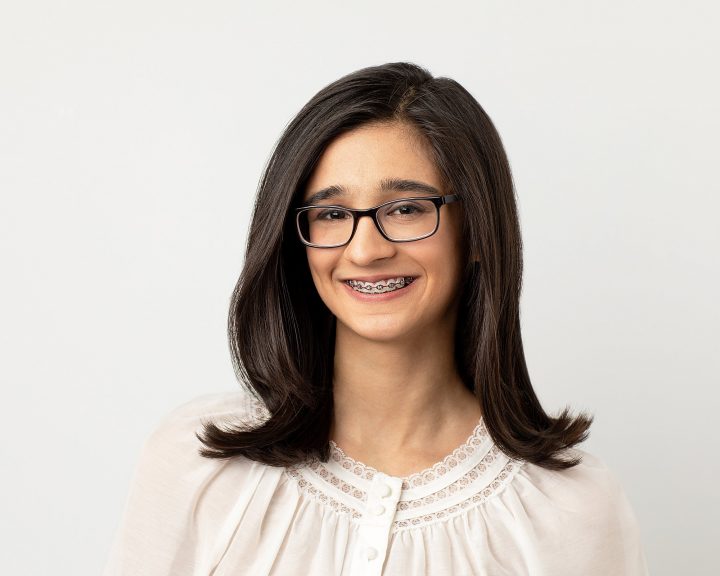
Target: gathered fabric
477,512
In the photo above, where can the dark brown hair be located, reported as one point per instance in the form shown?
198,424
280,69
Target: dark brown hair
281,333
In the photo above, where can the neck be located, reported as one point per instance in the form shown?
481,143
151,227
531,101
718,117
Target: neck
402,395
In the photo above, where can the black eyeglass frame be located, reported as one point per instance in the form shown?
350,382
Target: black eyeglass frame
358,213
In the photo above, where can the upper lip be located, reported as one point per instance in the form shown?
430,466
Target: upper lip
376,277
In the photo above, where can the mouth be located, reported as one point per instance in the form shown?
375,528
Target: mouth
381,286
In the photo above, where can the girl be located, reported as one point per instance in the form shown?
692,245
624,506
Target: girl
386,423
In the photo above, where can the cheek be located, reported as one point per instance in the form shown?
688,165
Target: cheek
454,241
440,263
320,263
446,261
443,253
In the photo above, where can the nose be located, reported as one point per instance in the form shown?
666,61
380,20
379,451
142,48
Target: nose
368,244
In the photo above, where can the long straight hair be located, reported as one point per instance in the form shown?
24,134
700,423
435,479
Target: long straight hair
281,333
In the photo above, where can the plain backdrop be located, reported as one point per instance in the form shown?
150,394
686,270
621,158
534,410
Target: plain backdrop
132,138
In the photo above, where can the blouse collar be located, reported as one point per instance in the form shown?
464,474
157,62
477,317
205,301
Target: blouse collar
473,472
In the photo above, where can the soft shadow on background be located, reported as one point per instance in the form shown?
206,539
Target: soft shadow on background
133,136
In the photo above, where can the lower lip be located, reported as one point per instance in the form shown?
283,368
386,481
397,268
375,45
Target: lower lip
383,296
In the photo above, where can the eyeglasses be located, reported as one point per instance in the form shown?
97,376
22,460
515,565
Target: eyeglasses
402,220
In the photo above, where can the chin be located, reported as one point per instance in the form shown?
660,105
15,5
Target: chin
378,329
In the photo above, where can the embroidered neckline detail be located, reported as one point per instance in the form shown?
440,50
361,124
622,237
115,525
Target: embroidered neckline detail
420,514
422,477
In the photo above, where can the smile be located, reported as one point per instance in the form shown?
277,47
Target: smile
382,286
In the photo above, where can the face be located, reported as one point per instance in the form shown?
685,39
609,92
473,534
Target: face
358,162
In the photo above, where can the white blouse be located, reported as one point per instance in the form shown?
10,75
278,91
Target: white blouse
476,512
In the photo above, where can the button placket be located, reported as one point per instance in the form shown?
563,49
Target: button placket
376,524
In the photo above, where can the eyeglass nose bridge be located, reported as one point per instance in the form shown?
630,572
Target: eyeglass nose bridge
358,213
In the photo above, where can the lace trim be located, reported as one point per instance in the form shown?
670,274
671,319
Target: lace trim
460,454
500,481
339,483
495,486
319,495
459,484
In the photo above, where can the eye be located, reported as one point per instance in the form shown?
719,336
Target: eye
331,214
406,209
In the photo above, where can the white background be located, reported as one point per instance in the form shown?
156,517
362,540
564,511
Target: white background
132,138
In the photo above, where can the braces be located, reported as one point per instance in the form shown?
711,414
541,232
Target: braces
379,288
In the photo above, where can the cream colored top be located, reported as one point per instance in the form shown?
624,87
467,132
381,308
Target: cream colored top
476,512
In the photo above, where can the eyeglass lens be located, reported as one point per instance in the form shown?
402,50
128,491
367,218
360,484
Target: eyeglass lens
402,220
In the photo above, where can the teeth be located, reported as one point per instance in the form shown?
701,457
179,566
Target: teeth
386,285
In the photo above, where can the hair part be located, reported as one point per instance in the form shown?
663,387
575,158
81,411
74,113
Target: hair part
282,335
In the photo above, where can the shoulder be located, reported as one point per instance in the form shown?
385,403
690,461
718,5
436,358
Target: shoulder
590,488
591,473
586,508
177,428
226,405
170,466
592,485
177,497
170,456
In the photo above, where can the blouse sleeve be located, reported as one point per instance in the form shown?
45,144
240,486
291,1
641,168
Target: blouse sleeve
176,494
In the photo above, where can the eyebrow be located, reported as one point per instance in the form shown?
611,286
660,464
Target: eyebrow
386,185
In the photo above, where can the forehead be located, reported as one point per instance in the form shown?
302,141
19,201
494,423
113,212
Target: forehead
359,161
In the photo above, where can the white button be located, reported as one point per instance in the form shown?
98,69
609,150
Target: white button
370,553
384,490
377,509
